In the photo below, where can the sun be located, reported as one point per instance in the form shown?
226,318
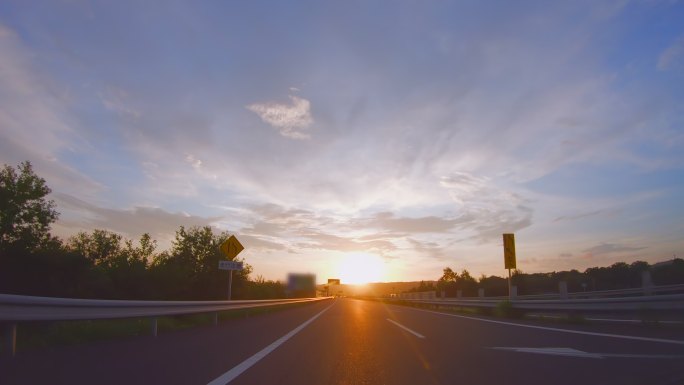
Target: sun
361,268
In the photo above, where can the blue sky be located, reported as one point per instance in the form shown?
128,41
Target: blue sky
407,134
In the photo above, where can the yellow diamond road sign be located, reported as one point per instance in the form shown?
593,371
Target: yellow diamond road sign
231,247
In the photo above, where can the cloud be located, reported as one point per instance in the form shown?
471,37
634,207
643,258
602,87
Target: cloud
484,209
388,222
463,185
431,249
78,215
116,100
324,241
304,229
589,214
290,120
610,248
382,233
429,156
259,243
672,56
36,121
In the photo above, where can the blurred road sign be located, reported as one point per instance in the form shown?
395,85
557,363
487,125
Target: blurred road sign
231,247
301,285
230,265
509,251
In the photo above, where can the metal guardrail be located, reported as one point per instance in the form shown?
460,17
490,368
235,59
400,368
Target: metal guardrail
669,302
637,291
27,308
15,308
604,293
645,298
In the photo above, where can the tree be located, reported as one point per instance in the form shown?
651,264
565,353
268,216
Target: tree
448,275
102,246
190,269
25,213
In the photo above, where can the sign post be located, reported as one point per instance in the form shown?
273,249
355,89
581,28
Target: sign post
230,248
509,257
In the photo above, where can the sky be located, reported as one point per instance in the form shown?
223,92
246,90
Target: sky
391,137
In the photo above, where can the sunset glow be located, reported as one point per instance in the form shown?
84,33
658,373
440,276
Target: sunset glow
414,138
360,268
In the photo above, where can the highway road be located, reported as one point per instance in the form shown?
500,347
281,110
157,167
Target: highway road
348,341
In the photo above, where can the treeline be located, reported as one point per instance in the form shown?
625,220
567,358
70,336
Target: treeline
103,264
619,275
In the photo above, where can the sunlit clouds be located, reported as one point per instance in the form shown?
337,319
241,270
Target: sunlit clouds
290,120
412,134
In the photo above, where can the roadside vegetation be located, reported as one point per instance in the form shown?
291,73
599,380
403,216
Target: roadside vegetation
103,264
619,275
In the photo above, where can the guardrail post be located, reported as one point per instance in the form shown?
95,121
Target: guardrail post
646,282
11,339
514,291
480,292
153,326
563,289
215,319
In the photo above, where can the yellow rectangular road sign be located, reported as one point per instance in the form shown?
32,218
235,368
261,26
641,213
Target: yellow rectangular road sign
509,251
231,247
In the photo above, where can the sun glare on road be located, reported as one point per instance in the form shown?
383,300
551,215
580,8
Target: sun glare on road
361,268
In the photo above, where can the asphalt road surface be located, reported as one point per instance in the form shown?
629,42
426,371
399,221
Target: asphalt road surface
348,341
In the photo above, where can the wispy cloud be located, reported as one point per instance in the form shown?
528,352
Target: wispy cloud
586,215
672,56
610,248
417,155
36,122
486,210
388,222
117,100
78,215
291,120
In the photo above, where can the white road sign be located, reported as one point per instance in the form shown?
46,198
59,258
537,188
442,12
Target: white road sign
230,265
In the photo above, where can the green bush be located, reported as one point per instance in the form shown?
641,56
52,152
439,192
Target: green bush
505,309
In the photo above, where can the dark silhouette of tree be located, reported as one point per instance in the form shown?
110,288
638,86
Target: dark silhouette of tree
100,246
25,213
192,266
423,286
669,272
451,282
493,285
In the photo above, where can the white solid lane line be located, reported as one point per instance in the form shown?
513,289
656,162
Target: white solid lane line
624,337
570,352
407,329
246,364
